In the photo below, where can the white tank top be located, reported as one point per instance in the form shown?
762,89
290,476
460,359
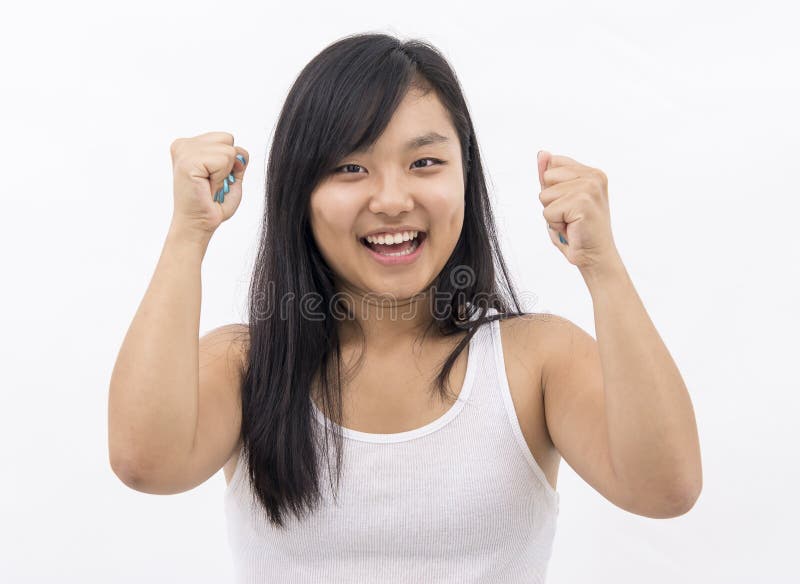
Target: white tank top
460,499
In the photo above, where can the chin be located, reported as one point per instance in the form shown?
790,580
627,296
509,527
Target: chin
399,292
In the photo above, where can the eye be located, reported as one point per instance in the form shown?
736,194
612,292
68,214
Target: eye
434,160
336,170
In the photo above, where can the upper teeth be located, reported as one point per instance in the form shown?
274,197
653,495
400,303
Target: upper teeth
388,238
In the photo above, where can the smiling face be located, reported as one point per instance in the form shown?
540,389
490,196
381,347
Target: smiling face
412,176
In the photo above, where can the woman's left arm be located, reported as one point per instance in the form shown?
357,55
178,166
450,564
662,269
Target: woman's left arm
648,409
652,436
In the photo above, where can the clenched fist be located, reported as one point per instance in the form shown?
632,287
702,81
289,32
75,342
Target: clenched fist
201,166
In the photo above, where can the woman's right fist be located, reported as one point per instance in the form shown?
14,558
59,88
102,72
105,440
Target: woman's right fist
200,167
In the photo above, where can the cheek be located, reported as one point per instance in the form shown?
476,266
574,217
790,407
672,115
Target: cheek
446,205
332,212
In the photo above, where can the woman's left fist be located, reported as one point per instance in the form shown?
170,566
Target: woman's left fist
575,200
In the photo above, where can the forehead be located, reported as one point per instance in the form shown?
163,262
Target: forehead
418,116
417,105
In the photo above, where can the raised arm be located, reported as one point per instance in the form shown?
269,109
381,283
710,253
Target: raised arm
155,388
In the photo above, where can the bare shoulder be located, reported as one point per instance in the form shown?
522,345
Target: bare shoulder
223,358
535,332
525,345
553,339
228,337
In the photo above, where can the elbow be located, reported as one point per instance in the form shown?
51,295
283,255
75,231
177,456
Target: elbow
162,479
680,500
121,458
131,473
665,502
133,478
126,473
681,504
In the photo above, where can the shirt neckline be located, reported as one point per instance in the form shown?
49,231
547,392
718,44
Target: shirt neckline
452,412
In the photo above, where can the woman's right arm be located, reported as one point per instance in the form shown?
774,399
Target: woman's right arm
153,394
162,380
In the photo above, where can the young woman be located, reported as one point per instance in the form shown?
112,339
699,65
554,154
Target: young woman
383,321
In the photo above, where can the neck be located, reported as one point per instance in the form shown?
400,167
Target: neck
384,322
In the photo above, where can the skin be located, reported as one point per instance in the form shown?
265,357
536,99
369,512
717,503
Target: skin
392,186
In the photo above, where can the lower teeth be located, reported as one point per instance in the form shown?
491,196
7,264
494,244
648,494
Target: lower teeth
411,249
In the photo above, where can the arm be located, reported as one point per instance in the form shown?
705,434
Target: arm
653,439
617,408
153,393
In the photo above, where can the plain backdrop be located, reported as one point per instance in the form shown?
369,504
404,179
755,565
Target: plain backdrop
690,108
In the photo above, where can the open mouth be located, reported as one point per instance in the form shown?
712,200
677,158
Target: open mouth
400,249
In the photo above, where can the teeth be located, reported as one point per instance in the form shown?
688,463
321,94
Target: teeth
410,250
388,239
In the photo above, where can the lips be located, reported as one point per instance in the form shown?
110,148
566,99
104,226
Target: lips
390,260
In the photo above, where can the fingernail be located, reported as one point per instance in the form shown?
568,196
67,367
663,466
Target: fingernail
231,179
241,159
225,188
561,239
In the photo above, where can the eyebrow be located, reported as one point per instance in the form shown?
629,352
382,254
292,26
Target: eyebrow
416,142
426,139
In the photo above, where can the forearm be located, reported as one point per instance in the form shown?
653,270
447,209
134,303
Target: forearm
652,431
153,393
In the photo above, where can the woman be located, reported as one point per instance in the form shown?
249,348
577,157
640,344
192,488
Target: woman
381,317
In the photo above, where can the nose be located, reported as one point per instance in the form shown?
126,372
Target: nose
391,198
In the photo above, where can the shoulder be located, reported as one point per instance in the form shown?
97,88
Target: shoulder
236,332
228,341
540,339
526,342
537,331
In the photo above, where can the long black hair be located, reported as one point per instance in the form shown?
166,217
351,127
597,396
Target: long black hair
342,101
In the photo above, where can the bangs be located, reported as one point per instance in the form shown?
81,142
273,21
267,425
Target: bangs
362,101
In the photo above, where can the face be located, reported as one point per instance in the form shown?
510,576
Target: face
397,183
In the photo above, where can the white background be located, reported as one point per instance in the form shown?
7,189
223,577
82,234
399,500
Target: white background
690,108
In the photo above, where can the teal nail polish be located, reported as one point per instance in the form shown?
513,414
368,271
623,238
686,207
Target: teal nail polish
241,159
561,238
225,187
231,179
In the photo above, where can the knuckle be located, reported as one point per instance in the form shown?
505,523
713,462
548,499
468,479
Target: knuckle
600,176
173,148
181,164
